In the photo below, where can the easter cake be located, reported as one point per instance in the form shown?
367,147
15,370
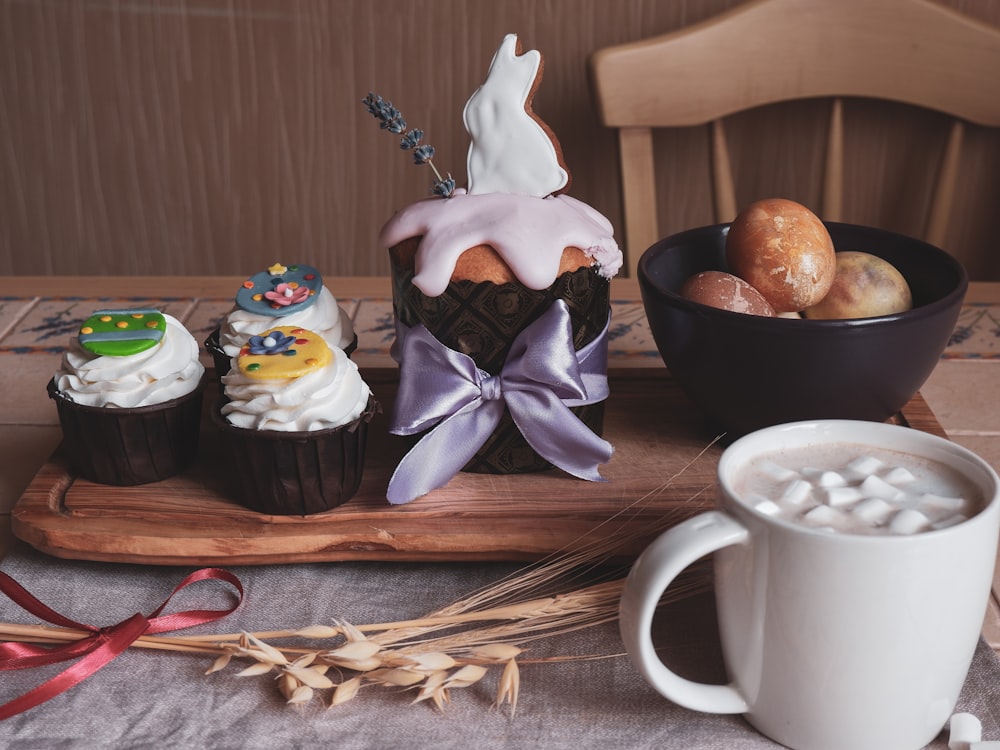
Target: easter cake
290,295
128,392
294,423
507,264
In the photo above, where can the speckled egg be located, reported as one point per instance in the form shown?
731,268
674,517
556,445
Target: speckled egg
784,251
727,292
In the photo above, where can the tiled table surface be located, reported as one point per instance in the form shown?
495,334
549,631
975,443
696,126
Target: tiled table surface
39,314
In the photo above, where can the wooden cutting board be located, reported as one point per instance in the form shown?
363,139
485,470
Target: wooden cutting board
662,471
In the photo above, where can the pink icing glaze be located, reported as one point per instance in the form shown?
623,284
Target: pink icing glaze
529,233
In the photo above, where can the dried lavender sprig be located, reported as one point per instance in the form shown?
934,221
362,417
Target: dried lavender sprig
391,119
411,139
423,154
444,187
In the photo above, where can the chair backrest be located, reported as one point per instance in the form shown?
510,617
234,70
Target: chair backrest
770,51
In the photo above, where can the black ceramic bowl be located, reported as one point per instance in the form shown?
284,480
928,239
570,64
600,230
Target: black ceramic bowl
746,372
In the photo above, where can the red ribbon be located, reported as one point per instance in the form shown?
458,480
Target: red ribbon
102,645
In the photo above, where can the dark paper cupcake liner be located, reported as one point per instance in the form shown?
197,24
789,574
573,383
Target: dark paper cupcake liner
123,447
294,473
222,361
482,320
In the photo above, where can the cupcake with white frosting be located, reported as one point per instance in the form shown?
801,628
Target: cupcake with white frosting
286,295
294,423
128,391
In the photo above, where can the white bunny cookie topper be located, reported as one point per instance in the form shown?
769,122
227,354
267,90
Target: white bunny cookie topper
512,151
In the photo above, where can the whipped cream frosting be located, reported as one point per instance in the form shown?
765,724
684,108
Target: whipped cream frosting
528,232
169,370
326,397
325,317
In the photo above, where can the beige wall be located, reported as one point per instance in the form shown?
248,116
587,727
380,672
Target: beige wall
211,137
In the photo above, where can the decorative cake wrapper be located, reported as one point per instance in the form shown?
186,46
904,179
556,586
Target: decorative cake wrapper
543,376
481,319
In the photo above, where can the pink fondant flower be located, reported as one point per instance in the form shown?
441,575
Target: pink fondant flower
287,294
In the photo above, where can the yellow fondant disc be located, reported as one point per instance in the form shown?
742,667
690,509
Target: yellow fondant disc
284,352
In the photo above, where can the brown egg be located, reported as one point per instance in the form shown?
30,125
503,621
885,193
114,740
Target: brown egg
725,291
782,249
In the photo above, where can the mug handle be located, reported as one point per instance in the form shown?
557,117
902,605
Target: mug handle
652,573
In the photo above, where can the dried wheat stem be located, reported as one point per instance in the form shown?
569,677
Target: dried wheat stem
43,634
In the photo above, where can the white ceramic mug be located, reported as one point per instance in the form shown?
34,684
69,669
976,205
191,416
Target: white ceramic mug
830,640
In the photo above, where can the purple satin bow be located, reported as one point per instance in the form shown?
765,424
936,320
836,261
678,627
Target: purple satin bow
542,377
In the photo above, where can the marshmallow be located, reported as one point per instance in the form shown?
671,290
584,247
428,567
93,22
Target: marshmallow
840,496
899,475
876,487
908,521
768,507
964,729
864,466
874,510
831,479
775,471
822,515
796,492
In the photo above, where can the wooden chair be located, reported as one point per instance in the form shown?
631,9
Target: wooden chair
769,51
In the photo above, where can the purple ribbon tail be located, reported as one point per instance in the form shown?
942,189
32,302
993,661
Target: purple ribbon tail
442,452
558,436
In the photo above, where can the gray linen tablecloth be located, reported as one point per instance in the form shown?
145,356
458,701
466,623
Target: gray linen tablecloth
150,699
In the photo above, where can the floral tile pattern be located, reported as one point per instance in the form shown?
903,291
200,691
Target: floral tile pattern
630,342
373,322
977,333
205,316
34,325
11,311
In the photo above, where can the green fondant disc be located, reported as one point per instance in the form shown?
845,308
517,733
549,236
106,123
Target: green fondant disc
120,333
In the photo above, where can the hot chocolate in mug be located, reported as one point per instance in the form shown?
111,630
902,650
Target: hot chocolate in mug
833,637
